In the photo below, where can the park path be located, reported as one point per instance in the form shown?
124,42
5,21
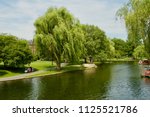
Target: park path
21,76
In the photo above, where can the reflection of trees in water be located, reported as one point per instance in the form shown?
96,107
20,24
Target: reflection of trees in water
71,85
137,84
120,81
76,85
125,83
15,90
135,80
89,72
120,85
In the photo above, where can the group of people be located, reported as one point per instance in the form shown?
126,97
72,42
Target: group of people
29,69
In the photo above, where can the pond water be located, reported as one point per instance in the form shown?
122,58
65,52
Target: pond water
109,81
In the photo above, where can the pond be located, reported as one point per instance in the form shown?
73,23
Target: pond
111,81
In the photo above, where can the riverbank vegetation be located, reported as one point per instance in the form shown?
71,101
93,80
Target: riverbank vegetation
36,65
61,38
54,71
136,15
14,52
40,67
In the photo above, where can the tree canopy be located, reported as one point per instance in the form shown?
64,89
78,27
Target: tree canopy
136,14
139,52
120,47
96,43
14,52
59,35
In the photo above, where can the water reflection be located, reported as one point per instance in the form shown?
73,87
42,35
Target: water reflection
89,72
73,85
35,89
108,81
15,90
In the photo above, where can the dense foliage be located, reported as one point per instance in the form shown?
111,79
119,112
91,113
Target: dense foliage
14,52
136,14
139,52
120,48
96,43
59,34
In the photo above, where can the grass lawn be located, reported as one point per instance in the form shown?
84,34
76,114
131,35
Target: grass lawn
37,65
7,73
41,65
64,69
121,59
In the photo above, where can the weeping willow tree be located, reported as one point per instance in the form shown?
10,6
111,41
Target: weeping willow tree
59,36
136,14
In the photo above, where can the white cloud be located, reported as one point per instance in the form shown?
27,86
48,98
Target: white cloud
19,18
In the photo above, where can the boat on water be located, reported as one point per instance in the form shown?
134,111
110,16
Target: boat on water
145,68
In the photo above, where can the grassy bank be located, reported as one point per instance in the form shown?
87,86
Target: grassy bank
120,60
37,65
41,68
41,65
7,72
45,68
52,72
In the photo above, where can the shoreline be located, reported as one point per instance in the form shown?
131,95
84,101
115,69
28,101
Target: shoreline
47,72
41,73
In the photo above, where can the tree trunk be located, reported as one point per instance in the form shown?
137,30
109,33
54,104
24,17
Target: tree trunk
85,60
52,62
91,59
58,65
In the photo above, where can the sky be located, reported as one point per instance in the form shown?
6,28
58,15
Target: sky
17,17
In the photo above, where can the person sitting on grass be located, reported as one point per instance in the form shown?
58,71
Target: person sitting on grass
28,70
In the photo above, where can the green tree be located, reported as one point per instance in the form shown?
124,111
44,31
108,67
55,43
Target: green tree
139,52
59,35
96,43
110,49
120,47
14,52
136,14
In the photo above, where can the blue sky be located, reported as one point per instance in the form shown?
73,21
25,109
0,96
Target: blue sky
18,16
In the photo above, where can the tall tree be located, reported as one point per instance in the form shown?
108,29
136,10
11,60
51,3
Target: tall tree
136,14
58,34
96,43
